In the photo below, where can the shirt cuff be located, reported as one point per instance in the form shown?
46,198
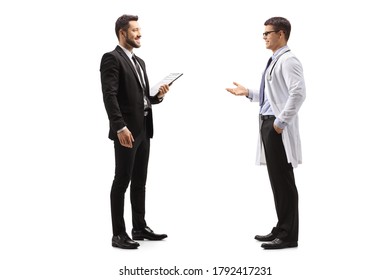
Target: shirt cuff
250,94
120,130
280,123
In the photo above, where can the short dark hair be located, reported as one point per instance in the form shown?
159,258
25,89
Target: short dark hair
280,24
123,23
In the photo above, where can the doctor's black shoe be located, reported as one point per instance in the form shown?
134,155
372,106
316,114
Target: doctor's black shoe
279,244
269,237
123,241
147,233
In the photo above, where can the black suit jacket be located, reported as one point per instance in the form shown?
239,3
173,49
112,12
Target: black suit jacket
123,94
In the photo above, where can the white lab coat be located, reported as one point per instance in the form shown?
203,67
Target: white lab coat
285,90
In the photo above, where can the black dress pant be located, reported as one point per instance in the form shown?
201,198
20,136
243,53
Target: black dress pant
131,164
282,181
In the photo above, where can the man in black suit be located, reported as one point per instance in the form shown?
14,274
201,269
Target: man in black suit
128,102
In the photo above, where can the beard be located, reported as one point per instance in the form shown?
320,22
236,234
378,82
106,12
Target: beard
131,42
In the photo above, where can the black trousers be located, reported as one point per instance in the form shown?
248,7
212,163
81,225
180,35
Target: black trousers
282,181
131,164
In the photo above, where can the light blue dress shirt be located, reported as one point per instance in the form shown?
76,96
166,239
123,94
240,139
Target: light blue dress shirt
266,108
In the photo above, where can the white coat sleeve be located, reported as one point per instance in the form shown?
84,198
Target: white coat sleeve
293,75
254,95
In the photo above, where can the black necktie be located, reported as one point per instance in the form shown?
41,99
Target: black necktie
262,85
139,72
146,100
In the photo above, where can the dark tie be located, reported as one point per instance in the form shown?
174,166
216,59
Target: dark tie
262,85
146,100
139,72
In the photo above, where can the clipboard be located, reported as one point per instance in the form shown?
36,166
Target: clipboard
169,79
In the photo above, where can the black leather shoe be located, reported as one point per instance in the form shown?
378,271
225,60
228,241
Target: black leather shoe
147,233
123,241
279,244
269,237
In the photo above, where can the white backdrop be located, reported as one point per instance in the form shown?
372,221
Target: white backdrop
203,189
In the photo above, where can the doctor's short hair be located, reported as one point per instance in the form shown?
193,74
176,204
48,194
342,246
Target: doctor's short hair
123,23
280,23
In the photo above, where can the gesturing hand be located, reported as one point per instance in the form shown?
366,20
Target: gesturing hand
239,90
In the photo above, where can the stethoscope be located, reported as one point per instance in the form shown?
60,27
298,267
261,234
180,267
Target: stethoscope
273,66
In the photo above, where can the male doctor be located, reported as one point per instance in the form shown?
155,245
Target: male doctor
281,94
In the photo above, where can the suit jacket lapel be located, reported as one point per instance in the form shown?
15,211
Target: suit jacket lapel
125,57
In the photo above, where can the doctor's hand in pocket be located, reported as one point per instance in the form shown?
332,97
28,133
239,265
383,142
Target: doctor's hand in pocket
278,129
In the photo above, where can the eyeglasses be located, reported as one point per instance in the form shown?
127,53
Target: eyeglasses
265,34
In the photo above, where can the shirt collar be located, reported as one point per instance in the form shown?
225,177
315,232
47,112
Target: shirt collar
129,53
279,51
